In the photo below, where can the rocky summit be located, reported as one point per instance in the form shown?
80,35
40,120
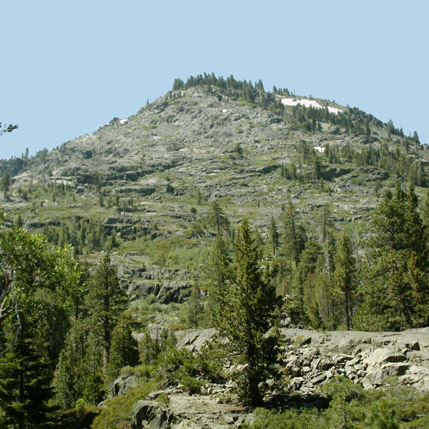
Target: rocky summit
153,175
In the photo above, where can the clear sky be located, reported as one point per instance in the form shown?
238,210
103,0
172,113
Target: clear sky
69,67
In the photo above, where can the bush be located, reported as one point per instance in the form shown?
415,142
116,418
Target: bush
117,411
81,416
353,407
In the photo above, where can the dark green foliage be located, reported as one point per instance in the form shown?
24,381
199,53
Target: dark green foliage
155,344
309,119
44,282
85,235
80,417
195,311
78,375
116,412
216,218
245,311
99,342
218,274
105,302
344,276
5,183
7,128
396,290
293,235
303,286
353,407
274,236
181,366
25,376
124,348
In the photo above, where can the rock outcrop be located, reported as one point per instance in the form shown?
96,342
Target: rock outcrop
371,359
308,359
165,409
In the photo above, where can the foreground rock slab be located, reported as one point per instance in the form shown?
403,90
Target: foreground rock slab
184,411
373,359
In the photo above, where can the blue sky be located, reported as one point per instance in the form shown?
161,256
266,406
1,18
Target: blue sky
69,67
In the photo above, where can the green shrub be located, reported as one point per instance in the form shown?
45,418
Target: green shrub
116,412
81,416
351,406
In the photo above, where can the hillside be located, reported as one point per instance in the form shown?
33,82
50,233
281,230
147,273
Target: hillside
196,145
338,208
154,174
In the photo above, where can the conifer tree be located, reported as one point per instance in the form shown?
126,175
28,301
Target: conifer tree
293,235
5,182
274,235
344,275
396,288
303,305
25,377
218,275
195,306
105,302
217,218
70,375
246,302
124,350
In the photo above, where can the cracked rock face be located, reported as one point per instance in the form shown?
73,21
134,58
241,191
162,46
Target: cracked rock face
183,411
308,359
370,359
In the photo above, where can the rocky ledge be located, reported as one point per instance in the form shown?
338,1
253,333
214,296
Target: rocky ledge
308,359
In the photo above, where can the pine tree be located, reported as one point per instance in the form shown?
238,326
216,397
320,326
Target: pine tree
274,235
5,182
218,275
303,305
105,302
293,235
247,303
217,218
344,275
80,362
25,377
195,308
327,303
396,288
124,350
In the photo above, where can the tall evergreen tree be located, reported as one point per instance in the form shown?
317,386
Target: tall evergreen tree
293,235
344,276
274,235
218,275
5,182
396,290
124,350
25,377
247,302
105,302
217,218
195,308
